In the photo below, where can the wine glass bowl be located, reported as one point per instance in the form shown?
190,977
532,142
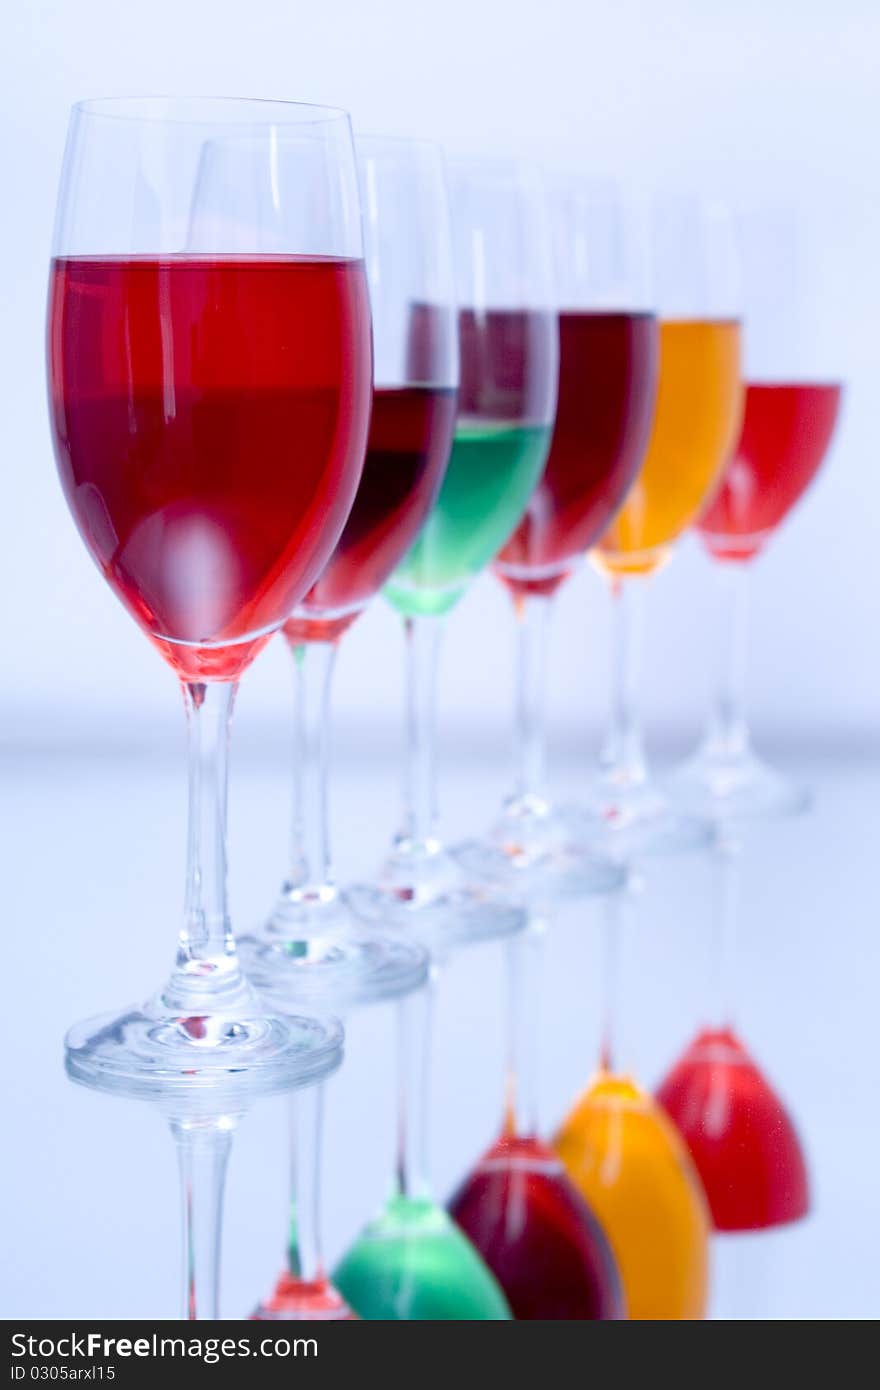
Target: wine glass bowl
537,1234
629,1163
412,1262
739,1133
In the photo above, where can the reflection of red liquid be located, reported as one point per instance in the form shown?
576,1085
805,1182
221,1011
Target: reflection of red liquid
408,448
786,432
537,1234
607,384
740,1136
209,420
293,1299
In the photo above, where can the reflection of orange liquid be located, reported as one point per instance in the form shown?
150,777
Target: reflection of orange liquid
630,1164
696,425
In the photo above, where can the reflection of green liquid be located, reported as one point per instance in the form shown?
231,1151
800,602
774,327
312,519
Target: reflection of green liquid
412,1263
492,470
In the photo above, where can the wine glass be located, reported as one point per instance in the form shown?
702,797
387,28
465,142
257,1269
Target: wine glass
792,403
608,361
507,331
630,1164
696,422
738,1130
209,386
518,1206
313,946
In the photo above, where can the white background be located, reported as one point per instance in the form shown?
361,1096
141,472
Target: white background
745,98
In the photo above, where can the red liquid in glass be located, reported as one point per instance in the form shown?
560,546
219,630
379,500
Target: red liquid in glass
607,384
537,1235
741,1138
505,365
785,434
407,451
210,418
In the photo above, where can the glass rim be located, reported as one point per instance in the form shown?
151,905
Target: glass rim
153,109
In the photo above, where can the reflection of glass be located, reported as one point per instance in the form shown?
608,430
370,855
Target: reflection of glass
209,376
203,1119
412,1261
518,1206
696,423
629,1163
792,404
738,1130
303,1290
608,346
508,345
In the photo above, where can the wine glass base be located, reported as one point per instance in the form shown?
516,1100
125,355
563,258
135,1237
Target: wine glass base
530,853
422,891
464,917
151,1054
637,822
316,953
739,787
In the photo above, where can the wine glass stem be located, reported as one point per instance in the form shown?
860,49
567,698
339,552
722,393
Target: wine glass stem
727,894
414,1029
310,862
306,1133
615,911
525,956
728,731
623,758
206,974
203,1151
423,636
533,625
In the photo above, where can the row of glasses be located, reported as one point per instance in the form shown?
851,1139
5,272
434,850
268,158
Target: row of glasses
219,313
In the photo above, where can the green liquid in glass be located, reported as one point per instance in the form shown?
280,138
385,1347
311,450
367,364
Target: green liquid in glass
413,1263
492,471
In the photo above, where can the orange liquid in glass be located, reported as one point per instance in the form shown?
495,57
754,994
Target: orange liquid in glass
630,1164
696,425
